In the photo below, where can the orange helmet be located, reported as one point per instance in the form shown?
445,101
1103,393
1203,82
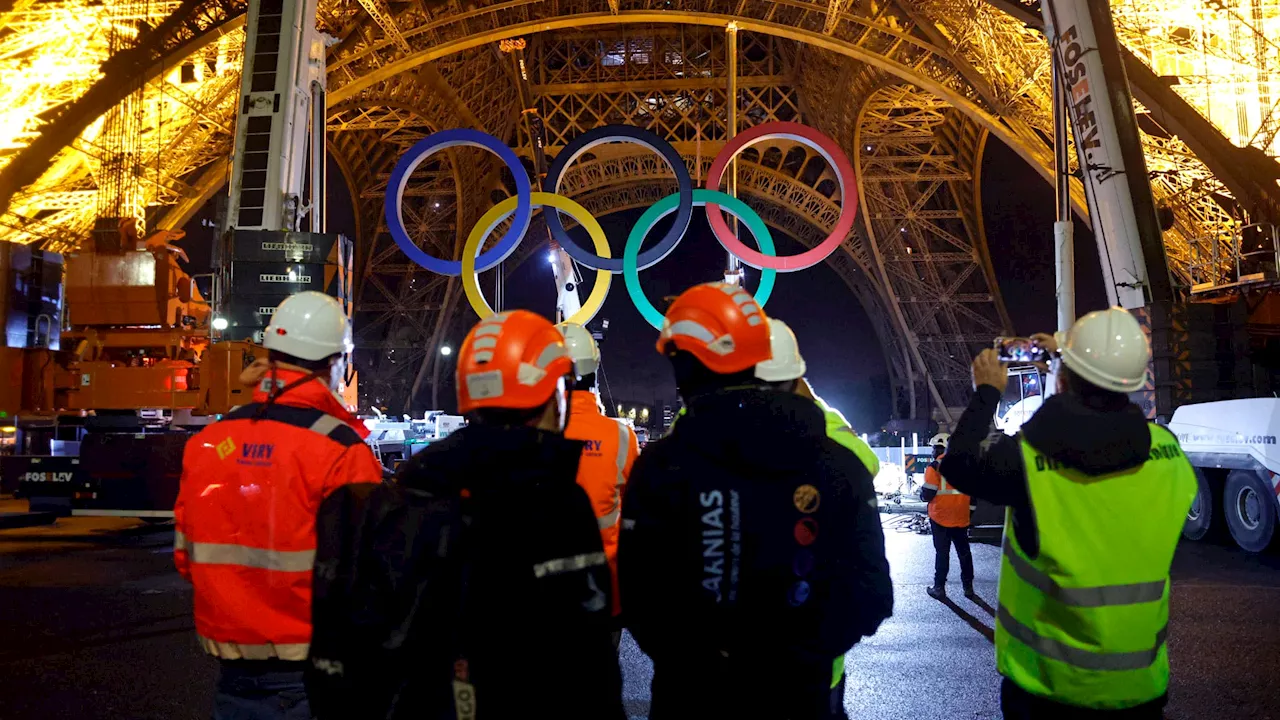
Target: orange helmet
720,324
512,360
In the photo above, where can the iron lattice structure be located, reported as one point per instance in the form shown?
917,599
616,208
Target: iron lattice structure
912,89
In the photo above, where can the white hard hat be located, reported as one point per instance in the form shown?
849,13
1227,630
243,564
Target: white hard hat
786,363
1106,348
943,439
309,325
582,348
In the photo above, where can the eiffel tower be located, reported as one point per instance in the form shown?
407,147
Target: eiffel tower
913,90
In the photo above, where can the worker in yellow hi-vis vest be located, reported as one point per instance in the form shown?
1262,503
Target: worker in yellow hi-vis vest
1097,498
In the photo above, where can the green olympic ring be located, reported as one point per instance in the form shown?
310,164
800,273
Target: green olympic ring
666,206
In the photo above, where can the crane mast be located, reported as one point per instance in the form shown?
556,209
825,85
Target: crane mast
567,301
283,80
277,179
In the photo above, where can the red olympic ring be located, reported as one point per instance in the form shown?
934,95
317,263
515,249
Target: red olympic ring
826,147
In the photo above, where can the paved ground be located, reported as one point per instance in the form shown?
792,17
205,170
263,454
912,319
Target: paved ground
94,624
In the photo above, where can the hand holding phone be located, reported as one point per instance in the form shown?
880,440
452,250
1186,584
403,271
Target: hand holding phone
1020,350
989,370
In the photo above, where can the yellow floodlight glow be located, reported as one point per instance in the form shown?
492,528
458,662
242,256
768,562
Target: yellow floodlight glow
1225,60
50,54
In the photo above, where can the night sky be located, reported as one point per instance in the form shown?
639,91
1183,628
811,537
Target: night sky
846,365
1019,213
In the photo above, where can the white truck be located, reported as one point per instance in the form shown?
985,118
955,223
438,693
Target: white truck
1232,445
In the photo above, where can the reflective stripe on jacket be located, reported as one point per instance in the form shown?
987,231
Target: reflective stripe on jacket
611,449
245,515
949,507
1084,622
839,429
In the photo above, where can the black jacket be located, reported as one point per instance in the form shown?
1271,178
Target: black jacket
1092,441
518,586
724,584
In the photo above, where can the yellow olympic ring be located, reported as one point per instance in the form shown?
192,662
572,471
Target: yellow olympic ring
498,213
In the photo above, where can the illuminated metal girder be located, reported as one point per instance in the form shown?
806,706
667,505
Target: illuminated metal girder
656,63
382,16
928,252
908,42
59,80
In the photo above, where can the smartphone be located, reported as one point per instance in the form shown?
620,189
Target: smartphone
1020,350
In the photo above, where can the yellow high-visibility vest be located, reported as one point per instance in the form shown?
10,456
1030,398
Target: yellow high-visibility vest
1084,623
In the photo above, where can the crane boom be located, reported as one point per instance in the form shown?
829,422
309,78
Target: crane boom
283,65
1109,146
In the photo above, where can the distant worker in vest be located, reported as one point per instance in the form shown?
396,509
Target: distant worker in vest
246,511
948,522
1097,498
751,553
476,586
610,446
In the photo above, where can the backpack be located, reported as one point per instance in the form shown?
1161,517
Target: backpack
388,558
773,559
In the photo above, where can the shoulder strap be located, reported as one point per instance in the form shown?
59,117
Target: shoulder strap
306,418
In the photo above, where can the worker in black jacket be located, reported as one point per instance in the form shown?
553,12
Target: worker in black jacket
751,554
476,586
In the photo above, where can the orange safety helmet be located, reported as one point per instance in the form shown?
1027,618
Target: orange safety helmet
721,325
512,360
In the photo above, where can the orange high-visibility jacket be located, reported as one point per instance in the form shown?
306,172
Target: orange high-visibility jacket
606,464
245,536
950,507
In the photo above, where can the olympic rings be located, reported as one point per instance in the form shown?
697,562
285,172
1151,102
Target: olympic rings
644,138
682,202
498,213
825,147
663,208
421,151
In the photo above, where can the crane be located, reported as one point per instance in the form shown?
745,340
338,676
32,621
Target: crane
107,386
568,302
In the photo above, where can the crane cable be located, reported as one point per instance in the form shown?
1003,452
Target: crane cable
603,384
499,287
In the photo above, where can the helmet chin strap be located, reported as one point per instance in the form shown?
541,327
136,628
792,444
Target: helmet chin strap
275,390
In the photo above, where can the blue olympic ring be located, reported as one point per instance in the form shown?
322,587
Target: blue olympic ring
639,136
455,138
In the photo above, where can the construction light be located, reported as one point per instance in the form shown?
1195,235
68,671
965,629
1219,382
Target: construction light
220,323
446,350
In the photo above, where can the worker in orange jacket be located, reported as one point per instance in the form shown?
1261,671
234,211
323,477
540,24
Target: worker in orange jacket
611,446
251,486
949,521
